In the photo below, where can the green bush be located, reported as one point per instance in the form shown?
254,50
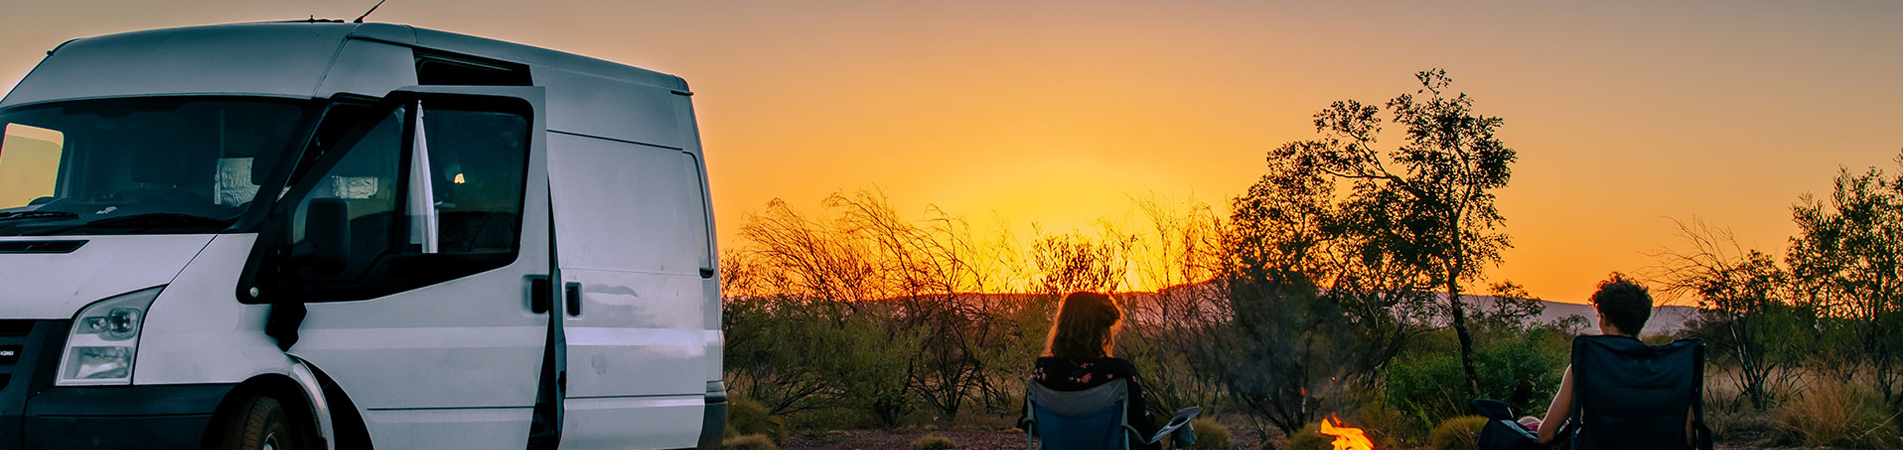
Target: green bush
934,442
748,417
749,442
1522,369
1459,433
1311,438
1210,434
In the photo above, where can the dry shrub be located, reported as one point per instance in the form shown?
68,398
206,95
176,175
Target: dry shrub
934,442
749,442
1210,435
1459,433
1388,426
1729,413
748,417
1311,438
1840,414
1739,425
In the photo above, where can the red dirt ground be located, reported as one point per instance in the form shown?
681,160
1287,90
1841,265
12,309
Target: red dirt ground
968,439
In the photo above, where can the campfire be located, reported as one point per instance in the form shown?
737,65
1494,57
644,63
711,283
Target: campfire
1346,438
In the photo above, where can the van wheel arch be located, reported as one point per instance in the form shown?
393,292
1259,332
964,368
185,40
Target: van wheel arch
347,425
348,428
296,406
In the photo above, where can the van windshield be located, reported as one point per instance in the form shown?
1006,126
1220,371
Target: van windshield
139,165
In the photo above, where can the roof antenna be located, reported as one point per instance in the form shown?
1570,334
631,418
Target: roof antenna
373,8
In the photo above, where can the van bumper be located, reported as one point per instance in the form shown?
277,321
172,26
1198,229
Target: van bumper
146,417
713,425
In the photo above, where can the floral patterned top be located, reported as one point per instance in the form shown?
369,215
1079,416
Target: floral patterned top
1067,375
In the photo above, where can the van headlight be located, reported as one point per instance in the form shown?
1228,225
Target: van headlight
104,339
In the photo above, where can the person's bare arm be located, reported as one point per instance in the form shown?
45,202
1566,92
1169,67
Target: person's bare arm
1556,414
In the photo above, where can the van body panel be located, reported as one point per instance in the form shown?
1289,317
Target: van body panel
639,422
626,208
369,68
399,34
576,100
57,285
197,332
245,59
630,236
481,428
710,279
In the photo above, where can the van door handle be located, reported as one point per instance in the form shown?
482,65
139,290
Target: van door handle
573,292
541,295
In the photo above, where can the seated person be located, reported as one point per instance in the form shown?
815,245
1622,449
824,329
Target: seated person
1077,356
1623,307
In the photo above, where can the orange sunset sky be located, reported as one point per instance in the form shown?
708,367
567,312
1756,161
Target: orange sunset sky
1626,115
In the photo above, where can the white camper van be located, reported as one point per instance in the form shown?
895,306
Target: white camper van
329,235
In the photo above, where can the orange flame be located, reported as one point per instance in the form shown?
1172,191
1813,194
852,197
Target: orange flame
1346,438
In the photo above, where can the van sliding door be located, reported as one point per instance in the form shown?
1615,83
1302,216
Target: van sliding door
630,233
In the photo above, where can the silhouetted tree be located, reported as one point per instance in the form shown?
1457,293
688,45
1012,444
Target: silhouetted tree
1848,261
1745,317
1281,332
1437,187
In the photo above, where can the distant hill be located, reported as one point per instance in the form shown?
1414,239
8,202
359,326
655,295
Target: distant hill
1665,319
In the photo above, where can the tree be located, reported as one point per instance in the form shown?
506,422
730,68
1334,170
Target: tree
1745,316
1437,187
1275,342
1848,262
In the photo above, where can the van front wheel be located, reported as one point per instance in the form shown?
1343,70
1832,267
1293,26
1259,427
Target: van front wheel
258,423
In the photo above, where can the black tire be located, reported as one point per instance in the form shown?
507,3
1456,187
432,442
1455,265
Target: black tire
258,423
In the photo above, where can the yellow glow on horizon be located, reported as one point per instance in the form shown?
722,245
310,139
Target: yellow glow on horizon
1626,114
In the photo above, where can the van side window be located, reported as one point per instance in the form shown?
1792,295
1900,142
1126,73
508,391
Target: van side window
455,70
431,192
478,162
366,182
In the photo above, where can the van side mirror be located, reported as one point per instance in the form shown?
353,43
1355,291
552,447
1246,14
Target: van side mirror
327,228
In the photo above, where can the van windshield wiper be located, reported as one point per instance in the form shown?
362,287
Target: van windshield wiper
148,221
36,214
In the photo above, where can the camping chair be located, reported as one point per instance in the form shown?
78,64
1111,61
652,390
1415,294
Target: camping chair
1502,432
1629,395
1091,419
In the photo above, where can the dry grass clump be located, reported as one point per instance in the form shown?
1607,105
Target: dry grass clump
934,442
748,417
1459,433
1210,435
749,442
1839,414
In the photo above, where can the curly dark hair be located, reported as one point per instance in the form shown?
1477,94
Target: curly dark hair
1086,327
1623,302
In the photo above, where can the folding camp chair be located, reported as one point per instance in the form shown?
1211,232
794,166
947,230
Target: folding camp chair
1092,419
1629,395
